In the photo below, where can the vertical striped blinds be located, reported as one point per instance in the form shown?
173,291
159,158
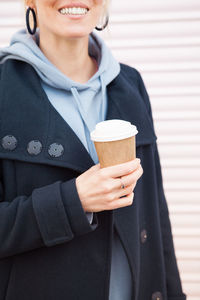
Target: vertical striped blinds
162,40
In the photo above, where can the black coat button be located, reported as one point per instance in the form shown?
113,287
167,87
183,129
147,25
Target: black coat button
9,142
143,236
34,147
55,150
157,296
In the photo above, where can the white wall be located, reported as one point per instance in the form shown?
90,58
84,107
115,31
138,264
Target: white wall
162,40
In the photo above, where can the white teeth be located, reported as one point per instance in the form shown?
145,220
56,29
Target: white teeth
62,11
73,11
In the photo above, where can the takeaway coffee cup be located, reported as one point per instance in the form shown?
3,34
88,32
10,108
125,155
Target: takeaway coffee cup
115,142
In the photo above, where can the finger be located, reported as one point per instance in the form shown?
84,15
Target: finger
126,191
121,169
133,177
126,180
122,202
94,168
119,193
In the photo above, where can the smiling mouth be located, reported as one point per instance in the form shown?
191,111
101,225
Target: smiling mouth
74,11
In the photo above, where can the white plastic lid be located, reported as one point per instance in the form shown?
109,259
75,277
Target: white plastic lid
113,130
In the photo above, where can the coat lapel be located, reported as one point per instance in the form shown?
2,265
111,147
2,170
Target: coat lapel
124,94
28,115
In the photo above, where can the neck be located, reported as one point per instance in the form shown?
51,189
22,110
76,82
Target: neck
70,56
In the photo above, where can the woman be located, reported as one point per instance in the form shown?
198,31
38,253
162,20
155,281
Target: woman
66,233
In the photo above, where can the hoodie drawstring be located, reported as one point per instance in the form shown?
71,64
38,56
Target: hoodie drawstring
81,110
103,91
83,115
90,143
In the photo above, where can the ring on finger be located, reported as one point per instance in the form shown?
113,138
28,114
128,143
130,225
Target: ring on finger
122,184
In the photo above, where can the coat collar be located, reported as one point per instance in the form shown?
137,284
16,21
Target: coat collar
28,115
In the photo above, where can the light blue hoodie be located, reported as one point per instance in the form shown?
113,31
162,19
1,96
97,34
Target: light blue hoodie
82,106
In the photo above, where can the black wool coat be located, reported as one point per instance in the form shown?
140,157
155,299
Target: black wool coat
48,249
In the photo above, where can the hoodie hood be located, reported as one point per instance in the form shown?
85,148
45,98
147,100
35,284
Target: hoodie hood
25,48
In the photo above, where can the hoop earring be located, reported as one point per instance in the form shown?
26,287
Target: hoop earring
104,26
31,10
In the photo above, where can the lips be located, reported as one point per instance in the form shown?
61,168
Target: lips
75,5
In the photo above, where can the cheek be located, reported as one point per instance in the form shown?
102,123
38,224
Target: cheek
101,2
99,7
45,5
45,10
46,2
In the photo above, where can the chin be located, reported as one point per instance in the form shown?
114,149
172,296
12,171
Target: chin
76,34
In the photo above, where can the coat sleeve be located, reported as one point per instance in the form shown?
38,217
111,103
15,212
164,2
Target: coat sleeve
51,215
173,283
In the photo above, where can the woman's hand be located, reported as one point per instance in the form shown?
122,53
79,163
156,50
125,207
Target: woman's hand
101,189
